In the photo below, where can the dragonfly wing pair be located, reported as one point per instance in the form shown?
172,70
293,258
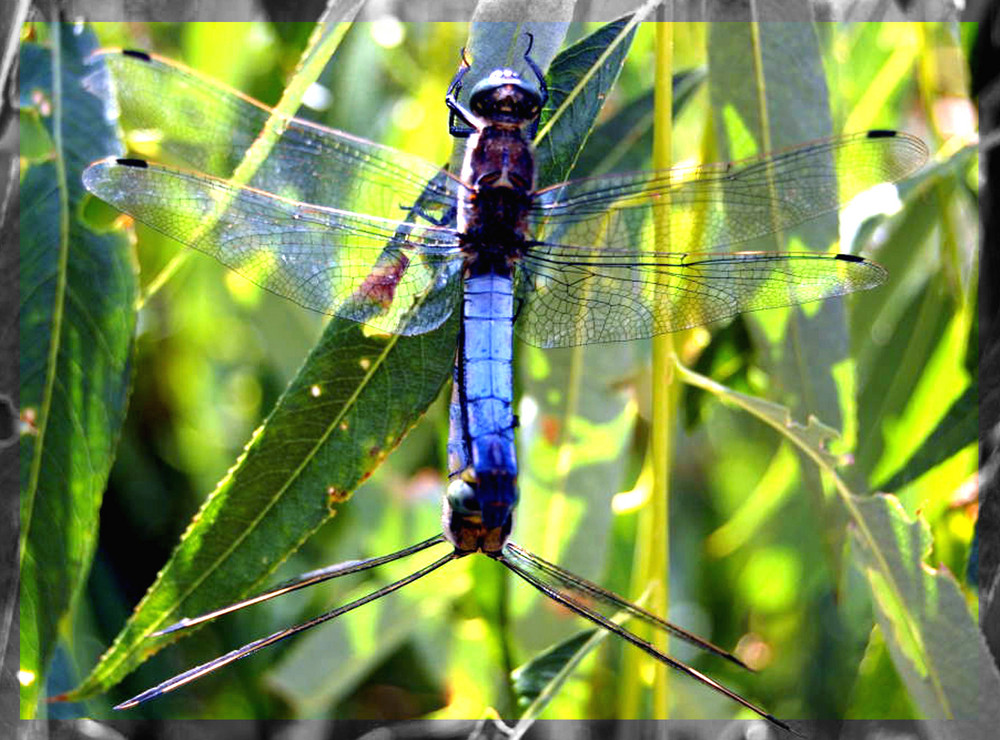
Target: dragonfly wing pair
590,272
595,274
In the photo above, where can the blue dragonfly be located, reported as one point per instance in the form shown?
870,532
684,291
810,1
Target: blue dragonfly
354,229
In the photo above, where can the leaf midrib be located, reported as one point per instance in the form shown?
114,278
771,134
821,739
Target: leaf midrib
291,478
48,387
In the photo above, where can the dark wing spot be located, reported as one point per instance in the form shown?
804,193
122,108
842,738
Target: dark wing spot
137,54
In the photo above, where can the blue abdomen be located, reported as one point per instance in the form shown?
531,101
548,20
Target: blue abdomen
488,392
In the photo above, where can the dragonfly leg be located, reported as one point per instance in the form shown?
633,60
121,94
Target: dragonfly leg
446,220
518,305
458,112
543,89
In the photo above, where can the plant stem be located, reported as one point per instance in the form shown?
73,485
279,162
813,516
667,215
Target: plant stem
652,556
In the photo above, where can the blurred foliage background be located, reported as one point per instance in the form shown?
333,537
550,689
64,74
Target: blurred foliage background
758,545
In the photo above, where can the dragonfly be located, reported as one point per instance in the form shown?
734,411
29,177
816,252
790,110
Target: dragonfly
351,228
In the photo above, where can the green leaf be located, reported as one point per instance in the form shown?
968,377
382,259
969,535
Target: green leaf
812,438
768,90
958,429
547,670
494,44
77,320
935,644
351,403
624,142
878,692
579,81
911,312
918,331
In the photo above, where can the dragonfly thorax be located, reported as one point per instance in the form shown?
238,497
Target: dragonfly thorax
499,168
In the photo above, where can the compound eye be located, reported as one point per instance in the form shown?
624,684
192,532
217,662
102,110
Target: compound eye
462,497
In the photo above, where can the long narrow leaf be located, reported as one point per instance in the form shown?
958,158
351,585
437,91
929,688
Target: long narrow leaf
769,92
351,403
935,643
76,325
958,429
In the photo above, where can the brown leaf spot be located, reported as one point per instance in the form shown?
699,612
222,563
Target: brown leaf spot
336,496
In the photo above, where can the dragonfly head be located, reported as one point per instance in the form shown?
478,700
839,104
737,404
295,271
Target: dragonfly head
465,523
506,98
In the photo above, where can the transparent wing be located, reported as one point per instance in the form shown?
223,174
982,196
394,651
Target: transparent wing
711,206
250,648
397,277
592,274
600,600
570,297
208,127
587,600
